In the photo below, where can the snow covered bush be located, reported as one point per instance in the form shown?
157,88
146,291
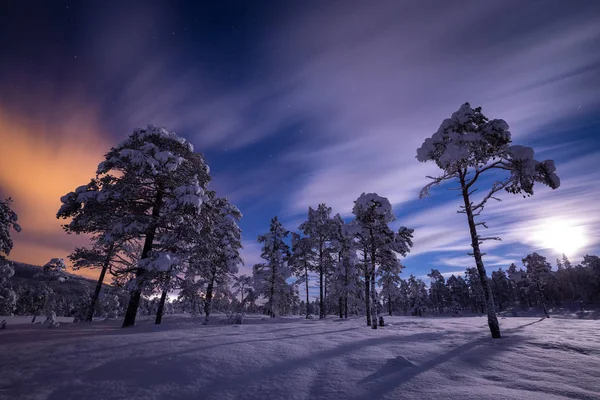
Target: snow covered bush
468,145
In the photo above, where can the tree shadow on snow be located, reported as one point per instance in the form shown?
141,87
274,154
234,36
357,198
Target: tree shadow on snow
399,370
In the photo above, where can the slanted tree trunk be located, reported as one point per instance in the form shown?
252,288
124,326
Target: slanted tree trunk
136,293
90,315
161,306
487,289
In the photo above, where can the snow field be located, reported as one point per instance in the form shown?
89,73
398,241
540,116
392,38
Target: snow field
293,358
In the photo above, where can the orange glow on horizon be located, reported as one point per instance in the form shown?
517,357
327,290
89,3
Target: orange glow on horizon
40,161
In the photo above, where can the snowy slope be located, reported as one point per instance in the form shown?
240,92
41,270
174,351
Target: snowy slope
441,358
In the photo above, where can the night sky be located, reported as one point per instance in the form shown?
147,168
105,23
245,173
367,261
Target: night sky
297,103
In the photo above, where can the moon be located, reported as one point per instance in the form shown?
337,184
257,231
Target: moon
562,236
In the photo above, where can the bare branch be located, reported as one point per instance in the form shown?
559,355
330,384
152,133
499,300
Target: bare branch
495,188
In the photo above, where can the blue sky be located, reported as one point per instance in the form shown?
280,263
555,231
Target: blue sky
294,104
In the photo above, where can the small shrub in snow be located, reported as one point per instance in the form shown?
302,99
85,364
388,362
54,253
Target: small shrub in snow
51,321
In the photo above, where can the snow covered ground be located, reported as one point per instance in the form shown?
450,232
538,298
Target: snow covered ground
291,358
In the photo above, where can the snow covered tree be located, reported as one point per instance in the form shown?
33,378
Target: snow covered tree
469,145
54,270
438,292
501,289
404,296
219,254
319,228
147,182
346,280
518,281
302,261
8,297
242,286
539,273
476,292
189,294
458,293
270,276
389,278
592,263
375,239
116,257
417,293
8,221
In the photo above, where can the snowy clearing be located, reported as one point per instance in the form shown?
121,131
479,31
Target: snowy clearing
292,358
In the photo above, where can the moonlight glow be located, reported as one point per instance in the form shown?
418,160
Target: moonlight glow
561,236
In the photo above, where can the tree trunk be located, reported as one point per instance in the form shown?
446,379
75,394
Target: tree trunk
324,295
341,306
321,273
375,312
209,296
390,304
161,306
90,314
272,293
368,296
136,293
307,299
346,306
487,289
543,300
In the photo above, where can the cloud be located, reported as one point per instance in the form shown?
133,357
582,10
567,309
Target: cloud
42,159
379,85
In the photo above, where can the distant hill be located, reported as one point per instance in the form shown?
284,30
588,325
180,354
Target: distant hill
24,275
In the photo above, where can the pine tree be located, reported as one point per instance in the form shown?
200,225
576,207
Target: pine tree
374,237
501,289
539,273
319,228
220,255
468,145
389,273
147,182
8,221
438,292
459,293
242,286
476,291
302,262
271,275
417,293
